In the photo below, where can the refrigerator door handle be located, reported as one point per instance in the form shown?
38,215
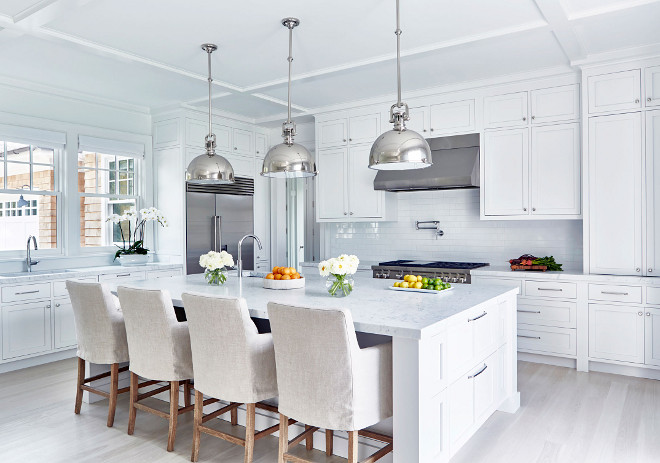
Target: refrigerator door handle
217,232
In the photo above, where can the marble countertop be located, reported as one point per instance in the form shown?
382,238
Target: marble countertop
47,275
569,274
375,308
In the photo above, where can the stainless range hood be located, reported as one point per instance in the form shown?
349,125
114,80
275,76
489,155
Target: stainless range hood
455,165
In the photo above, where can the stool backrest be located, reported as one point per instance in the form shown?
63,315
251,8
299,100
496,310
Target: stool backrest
150,321
230,357
316,351
99,323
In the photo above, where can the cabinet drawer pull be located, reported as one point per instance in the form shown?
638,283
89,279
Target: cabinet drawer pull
529,311
477,318
27,292
528,337
549,289
478,372
616,293
123,275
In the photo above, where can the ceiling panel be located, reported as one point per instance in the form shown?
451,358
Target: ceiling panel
253,47
246,105
14,7
590,7
622,29
519,53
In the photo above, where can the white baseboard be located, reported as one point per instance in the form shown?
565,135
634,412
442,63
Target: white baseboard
547,360
38,360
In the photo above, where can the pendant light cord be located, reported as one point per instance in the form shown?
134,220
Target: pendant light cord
210,79
398,56
290,60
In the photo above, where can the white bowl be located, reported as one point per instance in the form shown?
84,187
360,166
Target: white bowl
284,284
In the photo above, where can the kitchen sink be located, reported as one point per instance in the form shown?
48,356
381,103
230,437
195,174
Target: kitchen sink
34,272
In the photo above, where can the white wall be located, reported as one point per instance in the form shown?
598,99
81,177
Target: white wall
466,237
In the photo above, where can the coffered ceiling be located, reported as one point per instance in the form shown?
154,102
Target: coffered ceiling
147,53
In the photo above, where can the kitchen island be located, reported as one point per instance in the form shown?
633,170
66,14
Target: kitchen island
454,353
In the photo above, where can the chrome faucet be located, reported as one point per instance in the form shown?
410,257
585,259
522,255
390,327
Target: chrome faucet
240,255
29,260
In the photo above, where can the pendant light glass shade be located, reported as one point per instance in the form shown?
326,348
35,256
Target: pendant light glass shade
289,159
209,167
399,148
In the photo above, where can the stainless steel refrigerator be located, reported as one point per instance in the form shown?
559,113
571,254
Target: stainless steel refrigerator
217,217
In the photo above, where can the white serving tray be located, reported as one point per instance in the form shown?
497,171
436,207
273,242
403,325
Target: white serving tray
415,290
284,284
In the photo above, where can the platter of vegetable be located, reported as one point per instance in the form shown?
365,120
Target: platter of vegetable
529,262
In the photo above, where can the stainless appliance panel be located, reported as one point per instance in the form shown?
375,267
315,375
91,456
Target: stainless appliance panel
200,209
237,217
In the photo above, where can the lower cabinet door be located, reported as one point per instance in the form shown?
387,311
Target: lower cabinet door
65,327
25,329
616,333
652,337
485,387
461,408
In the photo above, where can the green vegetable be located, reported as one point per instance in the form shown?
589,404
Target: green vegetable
548,261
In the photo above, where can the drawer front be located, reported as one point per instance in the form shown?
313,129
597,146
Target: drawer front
163,274
560,290
59,287
653,295
26,292
546,313
547,340
470,336
123,276
617,293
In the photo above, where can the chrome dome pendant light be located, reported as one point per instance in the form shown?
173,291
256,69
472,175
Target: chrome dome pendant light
209,167
399,148
289,159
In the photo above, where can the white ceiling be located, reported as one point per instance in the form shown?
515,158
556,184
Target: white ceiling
147,53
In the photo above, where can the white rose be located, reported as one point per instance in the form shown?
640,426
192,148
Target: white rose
338,267
324,268
226,259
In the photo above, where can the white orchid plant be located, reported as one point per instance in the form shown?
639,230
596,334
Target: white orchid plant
215,265
340,268
135,221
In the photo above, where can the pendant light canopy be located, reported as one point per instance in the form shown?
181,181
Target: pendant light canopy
209,167
399,148
289,159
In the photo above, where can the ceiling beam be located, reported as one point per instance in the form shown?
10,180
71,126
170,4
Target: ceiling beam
606,9
556,17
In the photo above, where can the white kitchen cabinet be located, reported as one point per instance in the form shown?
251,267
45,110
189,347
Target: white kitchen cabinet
243,165
616,91
332,191
242,141
508,110
364,128
506,172
363,200
125,276
555,104
26,329
555,166
652,336
261,209
452,118
260,145
652,86
615,194
332,133
419,120
616,333
196,132
653,192
166,133
64,324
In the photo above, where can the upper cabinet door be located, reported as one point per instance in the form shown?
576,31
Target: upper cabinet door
332,133
505,110
364,201
613,92
419,120
652,192
556,104
555,169
652,86
260,145
506,172
331,184
364,128
615,194
454,117
242,141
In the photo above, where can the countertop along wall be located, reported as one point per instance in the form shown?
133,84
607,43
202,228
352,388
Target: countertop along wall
466,237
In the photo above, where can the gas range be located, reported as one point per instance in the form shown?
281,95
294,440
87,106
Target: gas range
452,272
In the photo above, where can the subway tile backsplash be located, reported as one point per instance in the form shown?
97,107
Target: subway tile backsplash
466,237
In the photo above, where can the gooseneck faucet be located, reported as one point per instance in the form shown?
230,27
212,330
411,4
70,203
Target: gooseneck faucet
240,254
29,260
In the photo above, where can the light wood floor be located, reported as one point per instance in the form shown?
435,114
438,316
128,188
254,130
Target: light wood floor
565,416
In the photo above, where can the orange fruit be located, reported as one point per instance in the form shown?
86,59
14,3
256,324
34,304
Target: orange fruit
286,271
275,269
286,277
278,276
270,276
295,276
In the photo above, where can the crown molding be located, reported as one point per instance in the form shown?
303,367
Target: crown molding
619,56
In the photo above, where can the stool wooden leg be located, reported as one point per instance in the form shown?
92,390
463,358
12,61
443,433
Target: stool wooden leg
329,439
186,393
249,433
284,438
352,447
132,411
234,416
309,440
80,381
174,414
199,413
114,387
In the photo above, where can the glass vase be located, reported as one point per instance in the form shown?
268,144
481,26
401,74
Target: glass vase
216,277
339,285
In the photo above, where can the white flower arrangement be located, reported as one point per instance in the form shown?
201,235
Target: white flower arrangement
138,220
340,267
216,264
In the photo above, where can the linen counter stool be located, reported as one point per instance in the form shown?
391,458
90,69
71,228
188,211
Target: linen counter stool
101,339
326,381
232,362
159,348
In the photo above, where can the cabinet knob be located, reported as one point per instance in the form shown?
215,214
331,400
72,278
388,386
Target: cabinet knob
638,269
351,213
525,209
648,314
257,151
48,306
636,100
533,209
350,139
524,118
640,313
345,213
344,139
650,270
57,305
649,99
431,129
424,130
533,117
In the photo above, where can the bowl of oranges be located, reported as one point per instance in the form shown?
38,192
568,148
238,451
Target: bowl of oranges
284,278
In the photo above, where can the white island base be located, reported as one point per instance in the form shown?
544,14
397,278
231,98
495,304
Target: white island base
454,356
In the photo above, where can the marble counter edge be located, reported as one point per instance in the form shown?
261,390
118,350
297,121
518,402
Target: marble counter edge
567,275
